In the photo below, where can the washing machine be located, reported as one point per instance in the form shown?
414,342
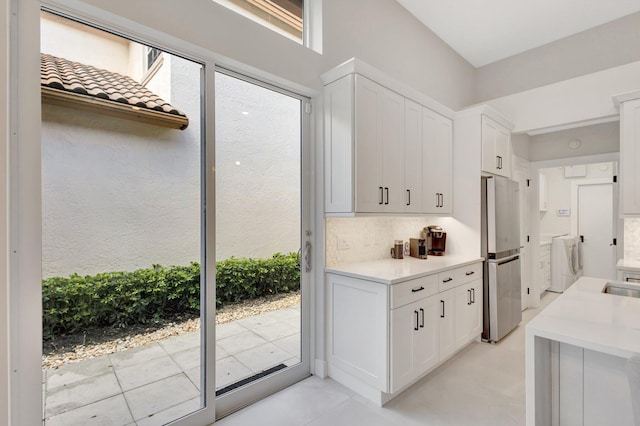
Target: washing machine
566,265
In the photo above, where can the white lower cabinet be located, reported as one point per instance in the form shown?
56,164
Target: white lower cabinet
381,338
468,316
414,333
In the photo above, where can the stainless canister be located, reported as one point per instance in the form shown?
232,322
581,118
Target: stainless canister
397,251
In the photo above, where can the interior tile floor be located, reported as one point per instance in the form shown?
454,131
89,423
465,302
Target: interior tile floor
159,382
484,384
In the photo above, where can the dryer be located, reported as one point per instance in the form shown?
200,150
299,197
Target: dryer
566,265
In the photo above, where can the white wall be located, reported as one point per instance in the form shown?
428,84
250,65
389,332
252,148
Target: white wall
559,196
380,32
606,46
596,139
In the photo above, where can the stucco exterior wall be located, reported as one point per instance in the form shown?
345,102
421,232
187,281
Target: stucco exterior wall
257,170
122,195
76,42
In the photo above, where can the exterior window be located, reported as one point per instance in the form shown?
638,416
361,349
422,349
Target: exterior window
283,16
152,55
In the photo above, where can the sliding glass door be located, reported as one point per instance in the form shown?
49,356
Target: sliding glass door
262,240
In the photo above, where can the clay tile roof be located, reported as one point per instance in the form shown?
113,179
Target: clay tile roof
74,77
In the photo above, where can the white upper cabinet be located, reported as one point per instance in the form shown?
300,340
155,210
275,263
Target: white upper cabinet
630,157
413,152
384,152
437,163
496,148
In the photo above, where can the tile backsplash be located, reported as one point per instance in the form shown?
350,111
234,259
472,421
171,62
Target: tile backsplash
632,238
359,239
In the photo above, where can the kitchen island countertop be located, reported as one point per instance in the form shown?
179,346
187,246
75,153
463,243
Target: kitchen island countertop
584,316
393,271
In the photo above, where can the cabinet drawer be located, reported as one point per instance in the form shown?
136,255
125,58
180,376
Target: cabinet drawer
447,280
468,273
632,277
410,291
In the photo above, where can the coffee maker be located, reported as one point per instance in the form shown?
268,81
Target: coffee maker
436,240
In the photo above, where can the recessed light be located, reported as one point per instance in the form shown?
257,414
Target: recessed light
237,163
245,112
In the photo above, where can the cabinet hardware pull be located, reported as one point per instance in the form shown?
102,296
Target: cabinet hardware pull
473,295
632,280
386,190
437,199
442,314
408,197
441,200
381,195
470,273
497,162
416,327
469,302
415,290
422,313
446,280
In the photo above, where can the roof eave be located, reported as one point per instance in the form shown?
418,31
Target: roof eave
114,109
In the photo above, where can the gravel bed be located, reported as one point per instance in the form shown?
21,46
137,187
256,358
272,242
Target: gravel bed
93,343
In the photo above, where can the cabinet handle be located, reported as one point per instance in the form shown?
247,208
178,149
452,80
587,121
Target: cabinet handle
415,290
381,195
441,200
446,280
632,280
470,273
386,190
442,314
469,302
408,197
422,314
473,295
437,199
416,327
497,162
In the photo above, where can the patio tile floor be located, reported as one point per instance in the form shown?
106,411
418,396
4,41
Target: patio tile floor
159,382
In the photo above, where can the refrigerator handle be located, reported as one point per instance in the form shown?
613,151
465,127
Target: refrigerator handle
510,260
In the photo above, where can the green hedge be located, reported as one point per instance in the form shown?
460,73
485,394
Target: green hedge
144,296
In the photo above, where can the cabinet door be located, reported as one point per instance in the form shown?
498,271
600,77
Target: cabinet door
489,135
437,160
405,327
392,119
368,146
427,344
413,156
630,156
446,324
464,302
503,150
475,311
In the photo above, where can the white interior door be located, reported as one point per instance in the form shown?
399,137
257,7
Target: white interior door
595,225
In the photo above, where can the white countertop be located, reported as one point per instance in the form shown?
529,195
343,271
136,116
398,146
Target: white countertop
632,265
393,271
584,316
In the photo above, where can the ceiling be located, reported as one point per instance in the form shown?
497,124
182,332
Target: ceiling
489,30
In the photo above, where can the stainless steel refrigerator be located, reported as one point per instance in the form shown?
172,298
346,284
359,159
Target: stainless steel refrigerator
501,249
